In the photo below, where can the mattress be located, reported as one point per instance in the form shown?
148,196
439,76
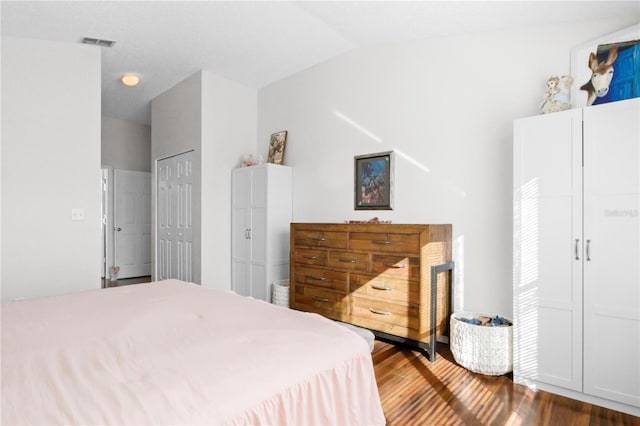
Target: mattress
172,352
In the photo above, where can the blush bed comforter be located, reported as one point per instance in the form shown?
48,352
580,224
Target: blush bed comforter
175,353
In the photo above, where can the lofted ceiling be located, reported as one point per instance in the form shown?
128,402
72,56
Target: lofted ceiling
257,43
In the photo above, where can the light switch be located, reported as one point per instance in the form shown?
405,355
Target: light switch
77,214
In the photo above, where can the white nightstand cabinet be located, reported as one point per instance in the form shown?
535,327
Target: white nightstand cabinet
261,204
576,254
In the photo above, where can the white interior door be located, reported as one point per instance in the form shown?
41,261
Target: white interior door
175,235
132,223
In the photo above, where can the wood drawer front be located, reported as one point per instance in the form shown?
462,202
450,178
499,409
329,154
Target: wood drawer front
324,302
385,288
387,313
325,278
397,243
397,266
329,239
349,260
311,257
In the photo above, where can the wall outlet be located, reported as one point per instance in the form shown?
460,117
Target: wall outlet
77,214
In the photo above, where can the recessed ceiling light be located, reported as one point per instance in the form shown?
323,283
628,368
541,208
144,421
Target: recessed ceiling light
130,79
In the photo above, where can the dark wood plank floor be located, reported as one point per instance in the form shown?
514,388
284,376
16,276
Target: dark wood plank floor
416,392
106,283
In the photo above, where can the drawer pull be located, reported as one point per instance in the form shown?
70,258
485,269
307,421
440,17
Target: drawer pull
376,311
380,287
394,265
319,299
311,257
343,260
318,238
313,277
381,242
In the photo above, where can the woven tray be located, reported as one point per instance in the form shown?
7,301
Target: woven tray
481,349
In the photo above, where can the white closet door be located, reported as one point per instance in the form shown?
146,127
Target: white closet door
612,268
175,236
548,278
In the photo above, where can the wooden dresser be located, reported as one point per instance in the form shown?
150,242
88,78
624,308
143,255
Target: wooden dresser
376,276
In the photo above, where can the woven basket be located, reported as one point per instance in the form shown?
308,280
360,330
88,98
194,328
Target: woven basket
481,349
280,293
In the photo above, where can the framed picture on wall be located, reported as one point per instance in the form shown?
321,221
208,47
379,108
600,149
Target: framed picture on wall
277,143
374,181
607,69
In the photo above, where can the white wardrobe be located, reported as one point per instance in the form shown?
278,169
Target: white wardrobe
577,254
261,202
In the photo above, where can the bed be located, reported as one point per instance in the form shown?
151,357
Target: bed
173,352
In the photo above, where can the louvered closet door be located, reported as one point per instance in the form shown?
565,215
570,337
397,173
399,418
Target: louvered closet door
612,265
548,278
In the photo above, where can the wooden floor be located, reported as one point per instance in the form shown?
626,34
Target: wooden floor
416,392
106,283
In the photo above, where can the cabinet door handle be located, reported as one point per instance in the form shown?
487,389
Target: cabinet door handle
344,260
588,250
320,299
311,257
249,233
381,242
394,265
318,238
317,278
380,287
378,312
576,249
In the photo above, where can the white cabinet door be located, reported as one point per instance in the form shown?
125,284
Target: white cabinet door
240,224
612,265
547,222
258,244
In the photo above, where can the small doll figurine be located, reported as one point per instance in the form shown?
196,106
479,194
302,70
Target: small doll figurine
557,97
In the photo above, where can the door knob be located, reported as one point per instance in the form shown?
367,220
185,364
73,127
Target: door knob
118,229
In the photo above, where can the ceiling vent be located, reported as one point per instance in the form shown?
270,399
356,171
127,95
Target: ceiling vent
98,42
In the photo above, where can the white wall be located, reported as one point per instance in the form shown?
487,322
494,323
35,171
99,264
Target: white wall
217,119
445,106
50,165
229,129
125,145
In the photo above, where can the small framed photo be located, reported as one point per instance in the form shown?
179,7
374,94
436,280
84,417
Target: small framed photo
277,144
374,181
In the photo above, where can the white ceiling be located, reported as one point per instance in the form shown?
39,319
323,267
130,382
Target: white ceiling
257,43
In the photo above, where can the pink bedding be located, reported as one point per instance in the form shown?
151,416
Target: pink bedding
176,353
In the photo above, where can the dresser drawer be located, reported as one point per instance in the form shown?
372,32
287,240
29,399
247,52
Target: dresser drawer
329,239
325,278
397,243
310,257
348,260
391,314
385,288
397,266
324,302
